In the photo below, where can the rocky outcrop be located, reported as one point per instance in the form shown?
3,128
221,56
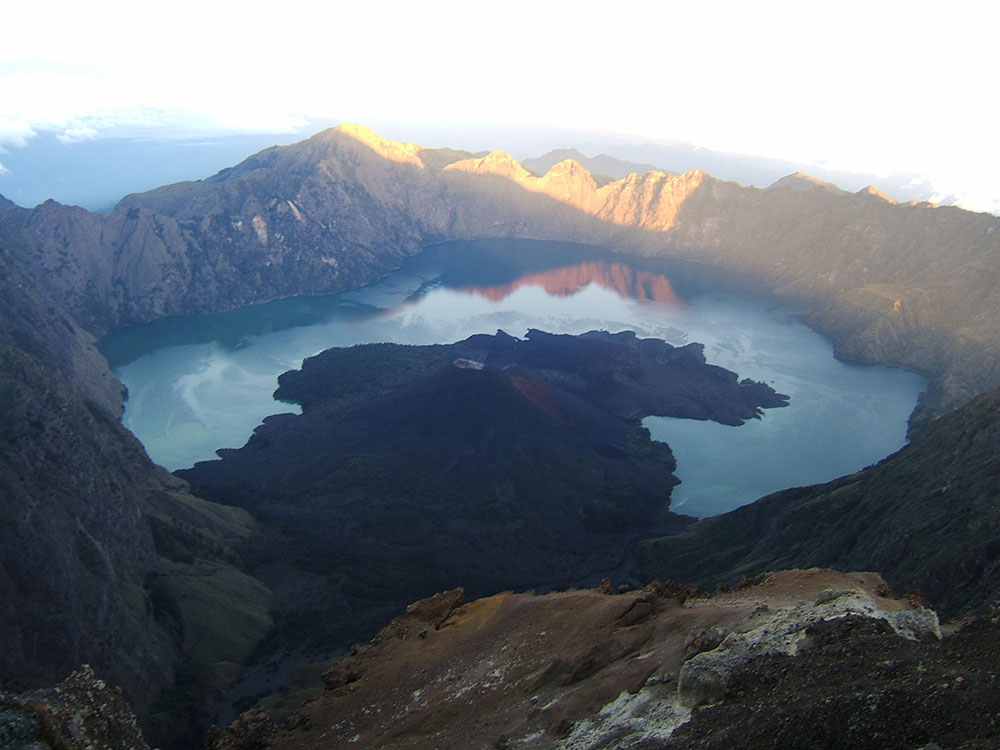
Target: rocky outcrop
81,713
579,669
854,683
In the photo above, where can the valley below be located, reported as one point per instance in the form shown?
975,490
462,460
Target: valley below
493,462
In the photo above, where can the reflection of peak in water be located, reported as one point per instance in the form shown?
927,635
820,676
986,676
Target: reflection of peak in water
622,279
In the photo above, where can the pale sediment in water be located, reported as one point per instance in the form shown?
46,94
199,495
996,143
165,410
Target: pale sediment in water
204,382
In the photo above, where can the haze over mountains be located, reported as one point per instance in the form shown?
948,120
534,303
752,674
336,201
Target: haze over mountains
95,174
109,560
906,285
618,160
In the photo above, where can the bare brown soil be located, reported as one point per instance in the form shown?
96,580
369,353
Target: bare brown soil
517,670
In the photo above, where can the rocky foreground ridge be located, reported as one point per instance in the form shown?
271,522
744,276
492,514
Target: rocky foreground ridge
80,713
655,668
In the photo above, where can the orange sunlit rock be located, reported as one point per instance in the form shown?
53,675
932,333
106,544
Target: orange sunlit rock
402,153
564,282
650,201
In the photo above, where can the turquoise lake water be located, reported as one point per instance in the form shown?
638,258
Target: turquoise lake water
202,382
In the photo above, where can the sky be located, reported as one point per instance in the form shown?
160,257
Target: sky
872,87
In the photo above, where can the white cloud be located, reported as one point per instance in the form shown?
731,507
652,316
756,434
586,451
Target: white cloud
881,87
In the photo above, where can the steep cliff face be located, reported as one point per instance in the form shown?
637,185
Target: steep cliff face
74,546
105,558
926,516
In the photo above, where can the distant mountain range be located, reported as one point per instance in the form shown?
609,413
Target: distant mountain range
107,559
95,174
754,171
603,168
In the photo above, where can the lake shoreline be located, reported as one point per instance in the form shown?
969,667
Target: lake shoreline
537,284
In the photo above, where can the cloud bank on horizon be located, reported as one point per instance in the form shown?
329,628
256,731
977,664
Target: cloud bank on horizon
876,88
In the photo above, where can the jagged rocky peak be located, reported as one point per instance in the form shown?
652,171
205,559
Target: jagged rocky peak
400,152
568,166
572,166
575,669
690,179
679,184
650,200
496,162
569,181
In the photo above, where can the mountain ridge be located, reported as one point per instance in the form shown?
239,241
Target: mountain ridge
105,558
604,168
330,213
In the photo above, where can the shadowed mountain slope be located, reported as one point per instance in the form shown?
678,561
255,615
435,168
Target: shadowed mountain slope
105,558
926,516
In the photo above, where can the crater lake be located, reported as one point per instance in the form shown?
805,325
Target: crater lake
198,383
